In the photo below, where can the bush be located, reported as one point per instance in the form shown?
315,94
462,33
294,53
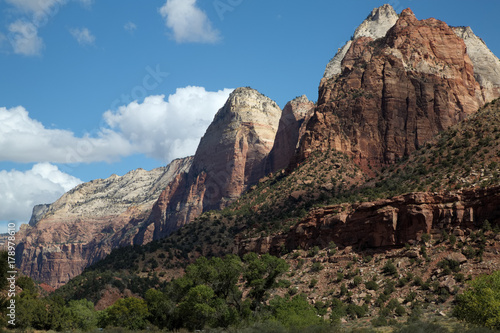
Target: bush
389,268
357,280
295,312
480,304
371,285
316,267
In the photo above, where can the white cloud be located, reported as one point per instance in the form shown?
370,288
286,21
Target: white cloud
130,26
44,183
36,7
83,36
188,22
26,140
159,128
24,38
167,129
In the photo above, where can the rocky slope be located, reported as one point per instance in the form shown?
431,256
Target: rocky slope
394,93
386,222
230,157
86,223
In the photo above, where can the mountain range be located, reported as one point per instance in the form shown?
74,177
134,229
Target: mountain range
380,135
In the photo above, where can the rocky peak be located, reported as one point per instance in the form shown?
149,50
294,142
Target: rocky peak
230,157
294,117
393,94
375,26
86,223
486,64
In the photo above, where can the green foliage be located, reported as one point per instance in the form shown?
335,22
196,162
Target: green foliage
316,267
261,274
372,285
480,304
31,313
294,312
197,307
130,312
83,315
389,268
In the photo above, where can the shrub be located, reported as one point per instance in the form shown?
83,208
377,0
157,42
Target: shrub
425,238
480,304
316,267
389,268
371,285
357,280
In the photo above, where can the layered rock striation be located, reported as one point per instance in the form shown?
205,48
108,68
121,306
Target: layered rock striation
230,157
394,93
386,223
86,223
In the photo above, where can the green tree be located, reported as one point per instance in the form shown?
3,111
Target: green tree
83,315
196,310
31,312
161,309
295,312
480,303
130,312
261,274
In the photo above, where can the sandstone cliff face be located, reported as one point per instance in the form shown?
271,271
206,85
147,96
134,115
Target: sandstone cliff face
374,26
230,157
291,128
486,64
389,222
86,223
394,93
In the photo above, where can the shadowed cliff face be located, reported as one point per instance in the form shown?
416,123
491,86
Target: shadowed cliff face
385,223
231,156
296,114
394,93
86,223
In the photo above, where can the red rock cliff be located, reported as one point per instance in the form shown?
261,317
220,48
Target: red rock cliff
394,93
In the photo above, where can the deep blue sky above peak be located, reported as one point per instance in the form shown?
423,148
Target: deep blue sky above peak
92,87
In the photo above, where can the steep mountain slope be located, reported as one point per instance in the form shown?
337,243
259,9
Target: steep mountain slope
295,115
86,223
395,93
384,96
230,157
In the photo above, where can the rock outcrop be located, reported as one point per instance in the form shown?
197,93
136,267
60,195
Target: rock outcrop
86,223
486,64
230,157
291,128
385,223
394,93
374,26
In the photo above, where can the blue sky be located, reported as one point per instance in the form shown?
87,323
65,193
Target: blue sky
92,87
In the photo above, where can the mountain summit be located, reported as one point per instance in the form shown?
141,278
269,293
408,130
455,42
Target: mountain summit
394,93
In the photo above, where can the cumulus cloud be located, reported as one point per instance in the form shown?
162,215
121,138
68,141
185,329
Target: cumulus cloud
160,128
167,129
130,26
36,7
44,183
188,22
24,38
26,140
83,36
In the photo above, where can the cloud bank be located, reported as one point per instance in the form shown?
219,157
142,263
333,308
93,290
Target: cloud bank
159,127
44,183
188,22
